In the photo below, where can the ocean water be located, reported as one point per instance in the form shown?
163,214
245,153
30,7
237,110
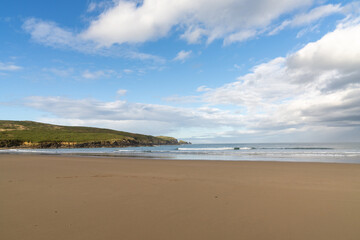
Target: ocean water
288,152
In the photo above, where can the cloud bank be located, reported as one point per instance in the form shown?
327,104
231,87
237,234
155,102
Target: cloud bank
319,85
232,20
313,91
132,22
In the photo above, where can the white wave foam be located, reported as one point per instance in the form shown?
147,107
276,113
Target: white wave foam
243,148
26,151
205,149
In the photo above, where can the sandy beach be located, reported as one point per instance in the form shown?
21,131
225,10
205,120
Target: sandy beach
65,197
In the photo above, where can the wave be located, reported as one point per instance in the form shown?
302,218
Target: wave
295,148
135,151
206,149
27,151
253,148
243,148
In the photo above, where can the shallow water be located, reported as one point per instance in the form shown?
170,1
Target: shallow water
289,152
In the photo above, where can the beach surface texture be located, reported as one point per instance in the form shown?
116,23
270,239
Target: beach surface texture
68,197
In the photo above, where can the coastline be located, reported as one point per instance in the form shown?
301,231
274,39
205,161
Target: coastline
164,157
60,196
283,152
97,144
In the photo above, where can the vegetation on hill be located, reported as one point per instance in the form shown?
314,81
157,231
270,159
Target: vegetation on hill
28,134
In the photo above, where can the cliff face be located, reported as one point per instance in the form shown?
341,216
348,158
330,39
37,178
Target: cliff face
25,134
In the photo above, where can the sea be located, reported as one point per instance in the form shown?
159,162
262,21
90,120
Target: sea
284,152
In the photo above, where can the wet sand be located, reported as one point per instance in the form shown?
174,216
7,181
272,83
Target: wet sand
62,197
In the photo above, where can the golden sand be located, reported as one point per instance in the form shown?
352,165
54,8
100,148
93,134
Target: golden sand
61,197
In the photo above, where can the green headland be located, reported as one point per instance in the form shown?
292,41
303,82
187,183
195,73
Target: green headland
28,134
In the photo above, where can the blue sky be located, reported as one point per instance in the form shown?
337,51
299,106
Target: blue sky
203,71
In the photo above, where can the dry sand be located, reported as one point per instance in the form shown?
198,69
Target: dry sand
61,197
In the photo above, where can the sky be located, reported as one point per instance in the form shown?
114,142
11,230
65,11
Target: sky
204,71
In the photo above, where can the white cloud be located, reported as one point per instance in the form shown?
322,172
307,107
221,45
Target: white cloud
91,7
146,118
100,74
203,89
182,55
127,23
236,66
121,92
319,85
130,22
154,128
182,99
315,14
309,17
98,6
50,34
336,50
93,75
201,123
193,34
240,36
306,30
9,67
117,110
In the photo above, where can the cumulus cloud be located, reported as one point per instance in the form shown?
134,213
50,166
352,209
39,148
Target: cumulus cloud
319,85
232,20
338,50
182,55
130,22
9,67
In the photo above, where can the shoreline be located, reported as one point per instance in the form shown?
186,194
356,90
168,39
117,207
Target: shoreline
58,196
165,157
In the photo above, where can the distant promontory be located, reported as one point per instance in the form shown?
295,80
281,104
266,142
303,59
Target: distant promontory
29,134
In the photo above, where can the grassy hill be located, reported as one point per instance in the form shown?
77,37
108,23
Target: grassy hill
39,135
